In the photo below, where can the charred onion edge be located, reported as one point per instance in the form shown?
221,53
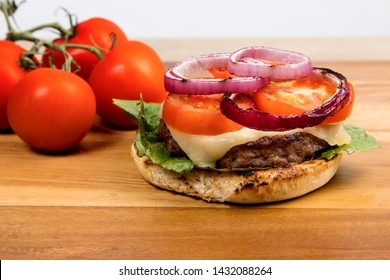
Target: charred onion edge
255,119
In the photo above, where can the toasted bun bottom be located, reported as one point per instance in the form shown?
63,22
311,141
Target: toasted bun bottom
251,187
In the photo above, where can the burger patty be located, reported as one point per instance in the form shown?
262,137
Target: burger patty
274,151
171,144
267,152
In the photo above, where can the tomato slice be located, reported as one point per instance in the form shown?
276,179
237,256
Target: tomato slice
292,97
200,114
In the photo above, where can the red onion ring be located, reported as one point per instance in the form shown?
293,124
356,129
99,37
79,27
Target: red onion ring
255,119
177,78
269,62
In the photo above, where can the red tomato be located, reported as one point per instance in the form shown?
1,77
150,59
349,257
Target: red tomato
127,71
10,74
297,96
200,114
93,32
51,109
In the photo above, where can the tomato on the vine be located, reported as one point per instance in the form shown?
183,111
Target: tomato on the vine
128,70
10,74
51,109
96,32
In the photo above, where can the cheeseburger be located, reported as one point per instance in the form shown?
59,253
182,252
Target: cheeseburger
253,126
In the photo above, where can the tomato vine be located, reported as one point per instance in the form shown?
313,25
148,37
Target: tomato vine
10,7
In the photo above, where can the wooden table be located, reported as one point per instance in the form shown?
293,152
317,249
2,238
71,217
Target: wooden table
91,203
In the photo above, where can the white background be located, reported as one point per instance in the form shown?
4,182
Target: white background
220,18
281,270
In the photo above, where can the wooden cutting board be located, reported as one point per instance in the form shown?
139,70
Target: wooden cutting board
91,203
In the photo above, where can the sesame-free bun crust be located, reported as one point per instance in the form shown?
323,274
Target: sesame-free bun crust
251,187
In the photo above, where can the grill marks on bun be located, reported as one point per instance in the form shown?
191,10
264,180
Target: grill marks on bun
256,186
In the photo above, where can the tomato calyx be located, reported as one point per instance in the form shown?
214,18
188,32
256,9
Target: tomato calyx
9,8
27,61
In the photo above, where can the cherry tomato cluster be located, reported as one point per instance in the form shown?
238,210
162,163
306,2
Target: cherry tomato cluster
51,108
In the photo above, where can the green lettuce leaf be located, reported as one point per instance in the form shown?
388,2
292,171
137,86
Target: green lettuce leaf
145,115
360,142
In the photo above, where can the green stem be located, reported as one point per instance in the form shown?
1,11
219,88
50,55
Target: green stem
55,25
38,43
93,50
8,9
27,36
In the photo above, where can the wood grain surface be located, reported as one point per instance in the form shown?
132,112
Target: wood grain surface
91,203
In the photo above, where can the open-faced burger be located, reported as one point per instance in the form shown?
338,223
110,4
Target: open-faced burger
253,126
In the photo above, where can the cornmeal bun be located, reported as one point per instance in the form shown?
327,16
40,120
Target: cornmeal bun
251,187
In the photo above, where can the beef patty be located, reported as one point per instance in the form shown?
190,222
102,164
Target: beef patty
266,152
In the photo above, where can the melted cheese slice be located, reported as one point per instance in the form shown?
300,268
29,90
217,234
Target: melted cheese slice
204,151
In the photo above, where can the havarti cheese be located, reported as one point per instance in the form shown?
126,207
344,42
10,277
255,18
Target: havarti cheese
204,151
